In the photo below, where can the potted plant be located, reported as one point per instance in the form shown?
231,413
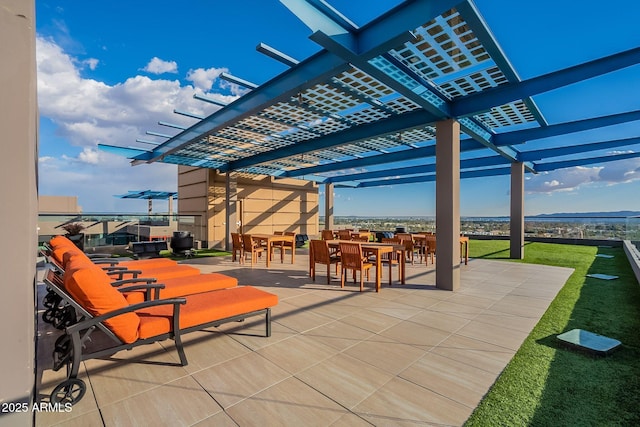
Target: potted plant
75,234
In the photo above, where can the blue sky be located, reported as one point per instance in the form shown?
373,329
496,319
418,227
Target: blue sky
108,71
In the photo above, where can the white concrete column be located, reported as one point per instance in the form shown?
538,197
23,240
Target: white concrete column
231,197
328,206
19,208
448,205
517,211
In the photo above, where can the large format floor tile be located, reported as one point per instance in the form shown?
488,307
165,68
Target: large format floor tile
411,355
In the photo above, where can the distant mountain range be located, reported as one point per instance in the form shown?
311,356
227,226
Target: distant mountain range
617,214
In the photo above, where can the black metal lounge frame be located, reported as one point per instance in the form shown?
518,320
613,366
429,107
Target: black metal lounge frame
72,389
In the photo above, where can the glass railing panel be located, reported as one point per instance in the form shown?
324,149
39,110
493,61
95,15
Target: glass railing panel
114,229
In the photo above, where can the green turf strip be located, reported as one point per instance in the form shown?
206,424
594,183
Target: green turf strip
548,385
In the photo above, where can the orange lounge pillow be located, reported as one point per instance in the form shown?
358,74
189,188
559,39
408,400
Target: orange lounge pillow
92,289
60,240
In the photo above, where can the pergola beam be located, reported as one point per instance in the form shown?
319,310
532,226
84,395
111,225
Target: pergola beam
501,95
575,149
521,136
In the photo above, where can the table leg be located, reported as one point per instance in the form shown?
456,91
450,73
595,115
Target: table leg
402,265
293,250
268,252
378,272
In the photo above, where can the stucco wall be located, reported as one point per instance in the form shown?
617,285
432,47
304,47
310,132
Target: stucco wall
264,204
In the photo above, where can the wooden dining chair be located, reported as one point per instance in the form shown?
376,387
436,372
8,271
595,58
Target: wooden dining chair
351,258
327,235
407,240
236,240
344,234
420,247
288,246
320,254
392,258
430,250
251,247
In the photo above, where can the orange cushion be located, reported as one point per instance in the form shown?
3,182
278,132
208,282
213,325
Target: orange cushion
204,308
60,251
148,263
171,272
92,289
60,240
189,285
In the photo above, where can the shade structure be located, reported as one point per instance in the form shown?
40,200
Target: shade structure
372,95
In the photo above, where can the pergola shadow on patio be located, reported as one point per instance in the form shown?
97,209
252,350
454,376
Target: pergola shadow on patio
408,355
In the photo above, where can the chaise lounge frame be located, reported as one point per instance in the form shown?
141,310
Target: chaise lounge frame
72,389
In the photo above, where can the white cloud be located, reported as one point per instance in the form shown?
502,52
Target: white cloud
203,78
158,66
87,112
571,179
92,63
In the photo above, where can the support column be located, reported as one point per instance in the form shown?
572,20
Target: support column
231,197
328,206
517,211
448,205
19,208
170,209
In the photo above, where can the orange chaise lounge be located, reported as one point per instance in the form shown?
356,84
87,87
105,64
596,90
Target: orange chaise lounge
159,268
101,306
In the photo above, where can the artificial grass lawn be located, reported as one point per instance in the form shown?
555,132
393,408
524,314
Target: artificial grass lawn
546,384
198,253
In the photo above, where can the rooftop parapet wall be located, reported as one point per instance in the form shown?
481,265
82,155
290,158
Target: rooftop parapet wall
633,255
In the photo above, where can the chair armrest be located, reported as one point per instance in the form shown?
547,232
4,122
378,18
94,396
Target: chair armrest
98,256
100,261
148,288
147,280
120,273
85,324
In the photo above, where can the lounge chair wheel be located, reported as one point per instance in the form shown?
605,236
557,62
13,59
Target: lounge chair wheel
48,316
51,300
68,391
65,317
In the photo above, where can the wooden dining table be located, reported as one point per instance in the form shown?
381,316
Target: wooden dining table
377,250
464,244
270,239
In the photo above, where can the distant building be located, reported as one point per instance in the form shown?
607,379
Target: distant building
61,205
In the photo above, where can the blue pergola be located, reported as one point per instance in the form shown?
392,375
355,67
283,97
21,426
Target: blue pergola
150,195
387,93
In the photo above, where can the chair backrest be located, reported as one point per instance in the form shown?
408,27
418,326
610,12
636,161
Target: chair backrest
351,255
344,234
320,250
247,242
391,240
431,242
278,233
237,240
327,234
360,238
404,236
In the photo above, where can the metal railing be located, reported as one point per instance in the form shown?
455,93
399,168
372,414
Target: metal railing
568,227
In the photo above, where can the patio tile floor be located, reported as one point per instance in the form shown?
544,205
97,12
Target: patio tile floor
409,355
